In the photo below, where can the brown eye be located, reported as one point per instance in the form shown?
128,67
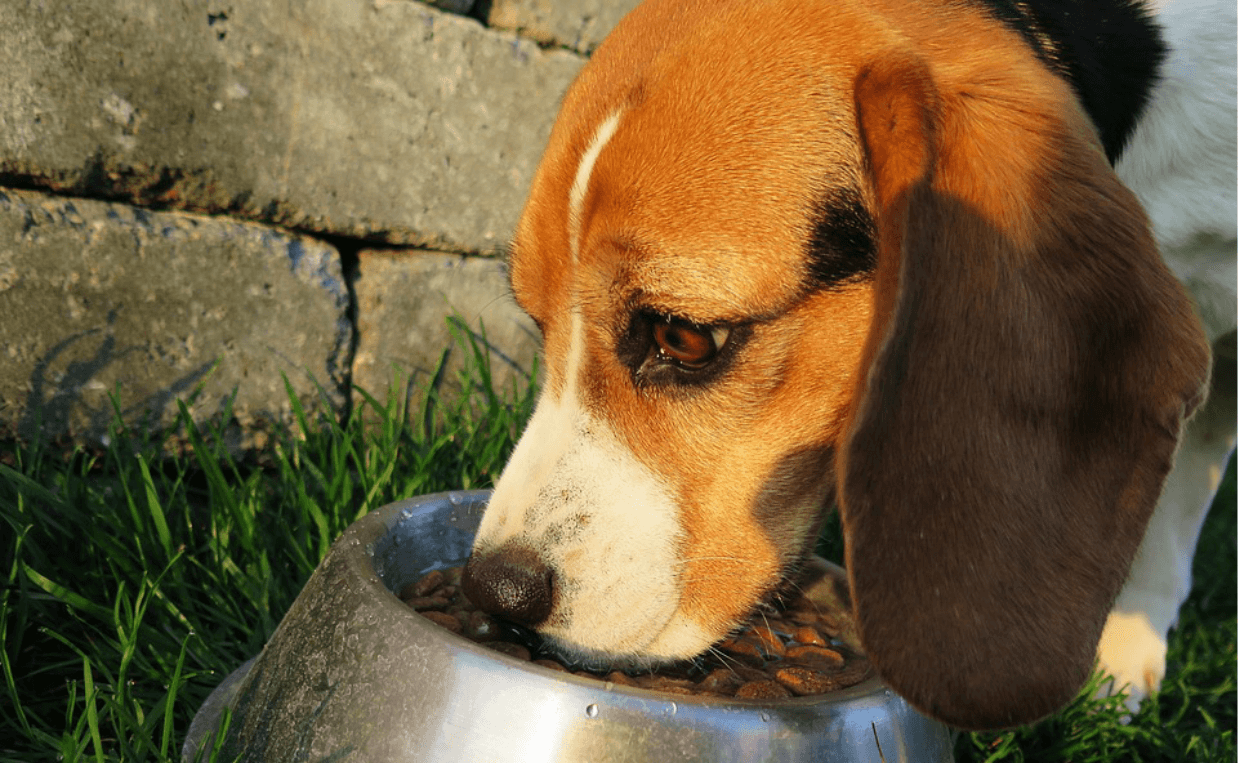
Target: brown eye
690,346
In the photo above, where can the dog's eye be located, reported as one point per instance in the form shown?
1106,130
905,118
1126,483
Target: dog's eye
688,345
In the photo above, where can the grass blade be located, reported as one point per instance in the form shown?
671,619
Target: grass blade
92,710
63,594
154,509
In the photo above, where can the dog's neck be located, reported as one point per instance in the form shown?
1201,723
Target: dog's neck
1109,50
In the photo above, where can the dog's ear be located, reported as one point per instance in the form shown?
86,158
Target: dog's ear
1029,367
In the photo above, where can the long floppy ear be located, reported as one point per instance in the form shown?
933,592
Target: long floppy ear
1026,377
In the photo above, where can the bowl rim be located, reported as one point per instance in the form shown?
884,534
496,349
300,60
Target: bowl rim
392,513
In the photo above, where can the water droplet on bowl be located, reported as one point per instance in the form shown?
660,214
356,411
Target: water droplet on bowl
592,711
765,717
672,708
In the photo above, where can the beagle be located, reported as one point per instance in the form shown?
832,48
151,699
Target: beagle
787,255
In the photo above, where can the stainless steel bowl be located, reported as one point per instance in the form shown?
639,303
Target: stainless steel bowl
352,674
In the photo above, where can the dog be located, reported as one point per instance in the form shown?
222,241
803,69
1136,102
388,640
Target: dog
921,260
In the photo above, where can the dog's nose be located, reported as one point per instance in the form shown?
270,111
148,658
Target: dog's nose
511,582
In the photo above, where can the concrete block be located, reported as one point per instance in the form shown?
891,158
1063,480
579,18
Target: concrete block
96,297
580,25
387,120
404,302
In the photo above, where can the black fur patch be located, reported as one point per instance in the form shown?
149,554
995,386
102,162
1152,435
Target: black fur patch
1109,50
843,246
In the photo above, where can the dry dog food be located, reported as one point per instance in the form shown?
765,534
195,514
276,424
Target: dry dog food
790,653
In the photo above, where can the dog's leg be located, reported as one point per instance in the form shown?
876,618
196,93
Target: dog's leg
1132,646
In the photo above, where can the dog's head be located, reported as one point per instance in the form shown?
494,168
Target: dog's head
784,254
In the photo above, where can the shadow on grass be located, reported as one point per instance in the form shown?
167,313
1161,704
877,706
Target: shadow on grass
138,574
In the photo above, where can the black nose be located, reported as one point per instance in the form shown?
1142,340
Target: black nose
510,582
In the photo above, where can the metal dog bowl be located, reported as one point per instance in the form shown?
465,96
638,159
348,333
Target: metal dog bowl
352,674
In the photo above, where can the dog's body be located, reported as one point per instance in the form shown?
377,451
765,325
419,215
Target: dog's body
1180,163
793,252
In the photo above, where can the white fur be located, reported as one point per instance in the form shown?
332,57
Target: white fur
1180,160
602,521
594,513
584,172
1181,163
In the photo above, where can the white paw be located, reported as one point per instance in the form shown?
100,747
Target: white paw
1132,650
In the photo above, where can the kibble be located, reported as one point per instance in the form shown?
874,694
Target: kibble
807,636
768,641
444,620
816,656
803,681
795,652
763,689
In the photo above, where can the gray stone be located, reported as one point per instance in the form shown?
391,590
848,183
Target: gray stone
388,119
97,297
405,301
580,25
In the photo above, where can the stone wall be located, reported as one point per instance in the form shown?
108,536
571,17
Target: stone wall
196,197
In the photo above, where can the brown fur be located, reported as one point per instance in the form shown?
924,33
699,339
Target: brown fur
1003,398
1045,371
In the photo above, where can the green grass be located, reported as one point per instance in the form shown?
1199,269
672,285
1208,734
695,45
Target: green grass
138,575
135,582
